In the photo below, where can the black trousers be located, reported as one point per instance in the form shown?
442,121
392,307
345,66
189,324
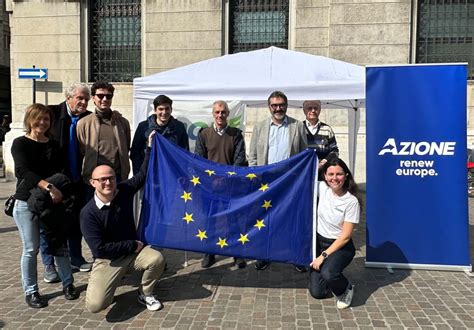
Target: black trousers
330,277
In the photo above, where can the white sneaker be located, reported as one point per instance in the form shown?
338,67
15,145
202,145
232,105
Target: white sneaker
151,303
345,300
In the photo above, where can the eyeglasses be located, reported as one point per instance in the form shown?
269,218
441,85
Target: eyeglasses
275,106
104,179
312,108
107,96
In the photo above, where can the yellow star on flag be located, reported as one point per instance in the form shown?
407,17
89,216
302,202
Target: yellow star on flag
244,239
266,205
201,234
195,180
222,242
210,172
263,187
231,173
259,224
251,176
186,196
188,217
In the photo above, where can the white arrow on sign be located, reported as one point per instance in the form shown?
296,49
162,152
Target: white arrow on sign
32,73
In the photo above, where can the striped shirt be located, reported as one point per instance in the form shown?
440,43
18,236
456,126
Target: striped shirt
321,137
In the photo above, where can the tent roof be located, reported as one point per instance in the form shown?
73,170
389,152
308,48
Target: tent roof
252,76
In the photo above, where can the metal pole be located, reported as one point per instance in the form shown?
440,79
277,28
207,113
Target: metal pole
34,88
185,259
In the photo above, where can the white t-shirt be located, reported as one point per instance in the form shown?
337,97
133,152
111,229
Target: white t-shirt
334,210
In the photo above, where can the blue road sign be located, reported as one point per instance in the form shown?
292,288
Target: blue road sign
32,73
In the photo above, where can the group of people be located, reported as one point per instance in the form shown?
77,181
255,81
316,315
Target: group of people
72,168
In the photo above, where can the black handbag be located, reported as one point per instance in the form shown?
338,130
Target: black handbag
9,205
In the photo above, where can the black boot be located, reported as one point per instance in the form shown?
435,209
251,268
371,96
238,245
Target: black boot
70,292
208,261
35,300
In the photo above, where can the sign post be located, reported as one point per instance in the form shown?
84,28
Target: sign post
33,73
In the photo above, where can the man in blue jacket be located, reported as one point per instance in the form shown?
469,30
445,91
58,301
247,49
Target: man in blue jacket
66,116
163,123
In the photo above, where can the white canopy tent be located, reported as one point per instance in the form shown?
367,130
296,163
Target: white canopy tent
250,77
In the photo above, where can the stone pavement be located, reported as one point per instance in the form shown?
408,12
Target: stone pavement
224,297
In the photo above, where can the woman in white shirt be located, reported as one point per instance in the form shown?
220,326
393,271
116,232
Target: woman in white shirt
338,213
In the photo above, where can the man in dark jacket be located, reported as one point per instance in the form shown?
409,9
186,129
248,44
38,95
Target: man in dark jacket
67,114
163,123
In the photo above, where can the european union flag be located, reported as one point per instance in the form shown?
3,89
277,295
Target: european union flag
261,212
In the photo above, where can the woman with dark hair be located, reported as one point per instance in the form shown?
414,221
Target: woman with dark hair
36,158
338,213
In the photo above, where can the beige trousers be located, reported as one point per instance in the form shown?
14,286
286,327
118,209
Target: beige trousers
106,275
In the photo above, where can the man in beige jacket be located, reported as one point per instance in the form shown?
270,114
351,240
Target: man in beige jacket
104,136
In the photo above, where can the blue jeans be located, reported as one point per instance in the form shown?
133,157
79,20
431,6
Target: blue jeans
330,277
46,257
28,227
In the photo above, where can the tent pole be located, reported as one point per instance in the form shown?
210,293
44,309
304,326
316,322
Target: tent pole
354,118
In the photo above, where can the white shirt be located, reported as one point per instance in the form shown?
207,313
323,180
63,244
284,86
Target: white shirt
220,131
334,210
99,203
313,129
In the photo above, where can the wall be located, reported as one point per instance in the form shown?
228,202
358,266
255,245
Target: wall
179,32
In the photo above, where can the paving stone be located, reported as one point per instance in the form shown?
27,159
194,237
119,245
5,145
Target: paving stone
224,297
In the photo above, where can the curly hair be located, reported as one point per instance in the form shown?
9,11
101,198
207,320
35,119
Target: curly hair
102,85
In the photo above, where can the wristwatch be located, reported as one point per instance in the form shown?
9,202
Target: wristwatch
324,254
49,186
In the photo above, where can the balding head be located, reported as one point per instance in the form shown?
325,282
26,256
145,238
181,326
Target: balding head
104,181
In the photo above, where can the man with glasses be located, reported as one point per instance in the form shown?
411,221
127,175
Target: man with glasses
276,139
320,135
109,230
104,137
67,114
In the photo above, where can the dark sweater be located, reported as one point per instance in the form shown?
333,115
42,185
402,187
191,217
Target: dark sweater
110,231
34,161
228,148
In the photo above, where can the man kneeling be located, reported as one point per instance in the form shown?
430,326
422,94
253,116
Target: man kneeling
109,229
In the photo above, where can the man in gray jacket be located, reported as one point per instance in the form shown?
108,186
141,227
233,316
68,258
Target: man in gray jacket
275,139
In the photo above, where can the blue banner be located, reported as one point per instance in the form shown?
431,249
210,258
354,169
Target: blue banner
417,210
263,212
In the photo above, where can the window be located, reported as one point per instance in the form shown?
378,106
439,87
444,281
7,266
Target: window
445,32
256,24
115,40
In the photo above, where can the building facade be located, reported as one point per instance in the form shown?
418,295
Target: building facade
5,100
122,39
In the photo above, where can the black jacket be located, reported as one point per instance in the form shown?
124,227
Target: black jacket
60,133
55,219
